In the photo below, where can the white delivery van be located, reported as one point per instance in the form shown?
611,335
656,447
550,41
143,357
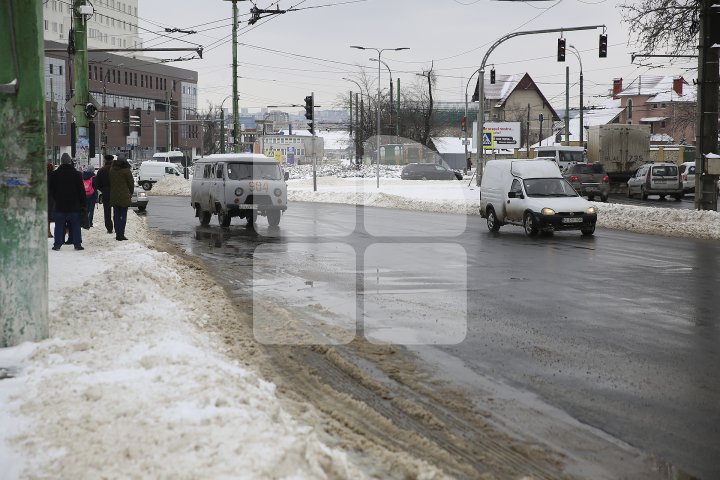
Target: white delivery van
534,194
242,185
563,155
174,156
151,171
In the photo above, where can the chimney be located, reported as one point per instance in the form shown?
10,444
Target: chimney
678,85
617,87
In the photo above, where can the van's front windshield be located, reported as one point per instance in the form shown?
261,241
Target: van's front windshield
248,171
548,187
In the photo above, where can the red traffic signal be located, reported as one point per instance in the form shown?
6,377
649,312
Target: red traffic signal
462,123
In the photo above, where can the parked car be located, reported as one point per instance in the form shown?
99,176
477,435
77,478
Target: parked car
140,199
588,180
661,179
429,171
687,170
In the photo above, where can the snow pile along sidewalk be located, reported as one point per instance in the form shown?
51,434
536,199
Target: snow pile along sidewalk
129,386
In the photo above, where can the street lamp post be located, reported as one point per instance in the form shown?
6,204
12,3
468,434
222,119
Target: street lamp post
582,125
379,52
392,105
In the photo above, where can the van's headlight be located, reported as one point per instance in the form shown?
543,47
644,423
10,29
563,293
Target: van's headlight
590,211
277,192
239,191
547,211
142,194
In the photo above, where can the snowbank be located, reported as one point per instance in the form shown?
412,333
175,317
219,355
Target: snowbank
130,387
462,197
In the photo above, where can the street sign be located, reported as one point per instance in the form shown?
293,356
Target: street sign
488,139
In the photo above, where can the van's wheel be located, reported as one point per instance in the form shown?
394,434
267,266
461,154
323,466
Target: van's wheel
493,223
202,215
679,197
591,198
273,217
662,197
146,185
223,218
529,225
587,231
643,193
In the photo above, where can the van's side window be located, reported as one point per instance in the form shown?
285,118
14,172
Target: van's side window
208,171
516,187
219,171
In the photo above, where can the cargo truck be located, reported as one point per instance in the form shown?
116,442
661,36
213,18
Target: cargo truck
621,149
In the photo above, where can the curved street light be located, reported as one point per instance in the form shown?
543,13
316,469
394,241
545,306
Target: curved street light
379,52
222,124
582,125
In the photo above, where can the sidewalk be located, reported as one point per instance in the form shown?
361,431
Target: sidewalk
129,386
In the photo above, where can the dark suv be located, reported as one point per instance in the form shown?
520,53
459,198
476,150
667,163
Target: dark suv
428,171
588,180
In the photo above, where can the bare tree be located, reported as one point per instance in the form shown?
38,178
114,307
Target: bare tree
658,26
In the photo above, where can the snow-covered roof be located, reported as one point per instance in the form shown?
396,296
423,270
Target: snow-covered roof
660,89
653,119
451,145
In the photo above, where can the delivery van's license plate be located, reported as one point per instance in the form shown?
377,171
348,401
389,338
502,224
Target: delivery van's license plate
247,207
572,220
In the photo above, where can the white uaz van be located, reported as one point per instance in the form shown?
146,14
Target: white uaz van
241,185
534,194
151,171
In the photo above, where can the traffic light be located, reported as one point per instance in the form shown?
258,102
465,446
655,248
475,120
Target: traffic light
462,123
309,107
561,50
492,76
602,52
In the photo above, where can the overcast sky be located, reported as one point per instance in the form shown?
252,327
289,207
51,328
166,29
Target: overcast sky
309,50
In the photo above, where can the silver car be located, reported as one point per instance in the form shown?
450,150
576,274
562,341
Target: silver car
139,199
661,179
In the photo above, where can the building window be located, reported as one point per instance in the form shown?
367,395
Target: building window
142,81
654,105
662,124
60,70
51,69
46,24
629,109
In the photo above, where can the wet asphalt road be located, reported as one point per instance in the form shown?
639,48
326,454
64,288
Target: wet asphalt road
621,330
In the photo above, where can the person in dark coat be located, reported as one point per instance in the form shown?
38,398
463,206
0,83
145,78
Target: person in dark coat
68,192
121,190
88,176
51,202
102,183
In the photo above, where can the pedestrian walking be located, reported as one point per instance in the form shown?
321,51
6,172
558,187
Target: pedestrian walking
90,193
102,184
121,190
68,192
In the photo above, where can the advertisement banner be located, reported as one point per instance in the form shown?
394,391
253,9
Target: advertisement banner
506,135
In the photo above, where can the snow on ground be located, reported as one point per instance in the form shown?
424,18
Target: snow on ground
128,386
461,197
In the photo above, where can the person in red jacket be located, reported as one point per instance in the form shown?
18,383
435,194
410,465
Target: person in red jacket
68,192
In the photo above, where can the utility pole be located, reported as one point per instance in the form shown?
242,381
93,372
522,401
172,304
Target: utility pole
567,106
23,176
397,116
80,67
707,104
236,107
